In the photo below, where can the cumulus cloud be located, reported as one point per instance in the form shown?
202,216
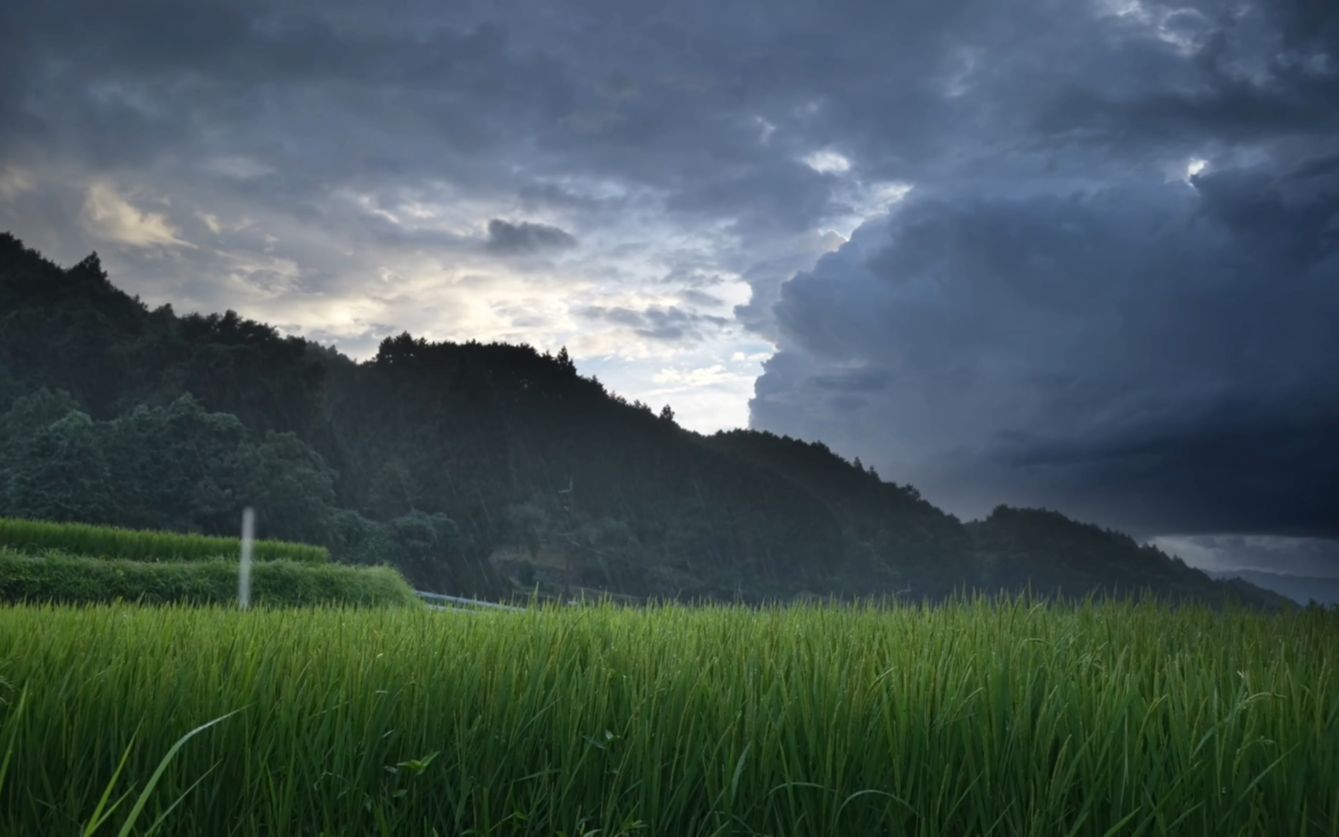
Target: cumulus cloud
112,217
827,161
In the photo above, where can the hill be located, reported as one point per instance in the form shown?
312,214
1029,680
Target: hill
475,468
1051,555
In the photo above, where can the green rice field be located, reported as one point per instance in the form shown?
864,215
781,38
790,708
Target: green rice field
973,718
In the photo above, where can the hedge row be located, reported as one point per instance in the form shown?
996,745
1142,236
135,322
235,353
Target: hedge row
111,542
69,579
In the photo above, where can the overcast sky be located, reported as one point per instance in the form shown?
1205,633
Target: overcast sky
1073,253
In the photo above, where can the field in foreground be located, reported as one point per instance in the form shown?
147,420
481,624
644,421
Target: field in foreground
1011,719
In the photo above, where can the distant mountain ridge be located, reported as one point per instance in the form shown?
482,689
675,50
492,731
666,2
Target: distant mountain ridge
479,468
1302,589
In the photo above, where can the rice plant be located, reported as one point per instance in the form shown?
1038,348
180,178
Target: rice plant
976,718
135,545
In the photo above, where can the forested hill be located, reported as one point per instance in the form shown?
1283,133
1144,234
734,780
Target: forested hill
477,469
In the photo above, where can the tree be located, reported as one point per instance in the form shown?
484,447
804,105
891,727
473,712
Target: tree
59,473
31,413
667,414
431,551
178,466
290,486
565,360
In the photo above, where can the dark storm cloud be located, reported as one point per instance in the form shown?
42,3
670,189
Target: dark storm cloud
1159,357
526,238
1070,320
860,380
1225,104
664,94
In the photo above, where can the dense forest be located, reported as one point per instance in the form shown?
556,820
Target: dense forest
480,469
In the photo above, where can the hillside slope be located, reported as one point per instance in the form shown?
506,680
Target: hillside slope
473,468
1302,589
1051,555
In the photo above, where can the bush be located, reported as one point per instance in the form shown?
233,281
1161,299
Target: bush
70,579
111,542
429,549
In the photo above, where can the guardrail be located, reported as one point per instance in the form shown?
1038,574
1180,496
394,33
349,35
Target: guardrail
444,602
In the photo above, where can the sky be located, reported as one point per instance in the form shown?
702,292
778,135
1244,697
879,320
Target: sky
1081,254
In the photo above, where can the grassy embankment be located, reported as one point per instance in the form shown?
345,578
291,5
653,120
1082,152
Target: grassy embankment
73,563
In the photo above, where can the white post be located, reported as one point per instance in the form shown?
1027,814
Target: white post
244,570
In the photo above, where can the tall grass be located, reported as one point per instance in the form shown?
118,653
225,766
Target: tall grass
67,579
135,545
975,718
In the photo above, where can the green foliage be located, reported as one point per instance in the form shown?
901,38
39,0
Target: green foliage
61,473
68,579
173,467
973,718
111,542
427,548
1048,553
